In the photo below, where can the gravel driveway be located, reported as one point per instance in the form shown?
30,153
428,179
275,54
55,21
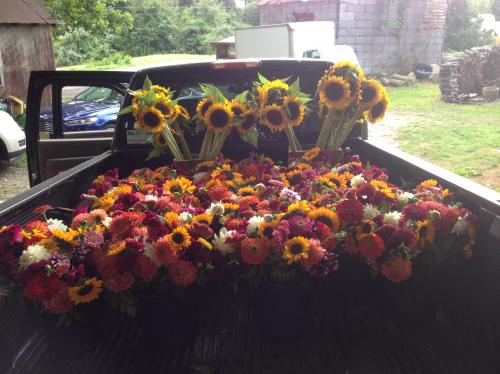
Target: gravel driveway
13,180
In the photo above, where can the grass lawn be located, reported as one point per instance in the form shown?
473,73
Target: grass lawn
462,138
139,61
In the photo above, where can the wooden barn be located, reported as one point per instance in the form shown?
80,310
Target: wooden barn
25,44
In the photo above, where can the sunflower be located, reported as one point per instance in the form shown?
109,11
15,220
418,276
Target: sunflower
276,85
334,93
294,177
365,228
86,293
427,183
230,207
159,141
218,117
206,166
237,107
262,95
302,207
116,248
171,218
339,180
203,105
324,181
371,93
179,185
67,237
203,218
312,153
383,187
249,121
227,176
150,119
180,237
166,108
425,233
296,249
183,112
325,216
377,112
247,191
163,91
266,228
273,117
294,110
352,73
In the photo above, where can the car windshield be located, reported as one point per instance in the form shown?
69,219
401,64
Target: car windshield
102,95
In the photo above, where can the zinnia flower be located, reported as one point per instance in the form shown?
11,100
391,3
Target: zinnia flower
182,273
371,246
300,226
164,251
42,286
60,302
254,251
349,211
396,269
315,255
145,269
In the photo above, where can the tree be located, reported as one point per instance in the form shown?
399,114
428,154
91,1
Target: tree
463,31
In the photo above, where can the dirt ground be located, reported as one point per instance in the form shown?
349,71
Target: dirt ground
13,180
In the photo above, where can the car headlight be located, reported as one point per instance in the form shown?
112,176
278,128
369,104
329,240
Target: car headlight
83,121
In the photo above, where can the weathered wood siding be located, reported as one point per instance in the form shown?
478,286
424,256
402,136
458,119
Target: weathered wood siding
24,48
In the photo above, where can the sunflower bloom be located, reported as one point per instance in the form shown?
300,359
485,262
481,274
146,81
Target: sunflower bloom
334,93
294,110
180,238
203,105
179,185
238,108
371,93
249,120
86,293
296,249
377,112
151,119
325,216
273,117
218,118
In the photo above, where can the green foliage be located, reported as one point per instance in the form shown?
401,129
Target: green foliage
116,58
463,31
480,6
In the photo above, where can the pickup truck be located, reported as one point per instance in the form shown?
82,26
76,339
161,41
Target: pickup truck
451,326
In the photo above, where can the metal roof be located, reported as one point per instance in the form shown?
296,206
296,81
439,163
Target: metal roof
24,12
278,2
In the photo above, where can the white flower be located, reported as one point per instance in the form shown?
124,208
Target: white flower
404,197
460,227
219,241
107,222
288,194
56,224
150,198
185,216
260,188
216,209
370,211
357,179
335,170
149,252
392,218
253,225
32,255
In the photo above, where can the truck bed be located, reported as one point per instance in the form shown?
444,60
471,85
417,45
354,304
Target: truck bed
450,324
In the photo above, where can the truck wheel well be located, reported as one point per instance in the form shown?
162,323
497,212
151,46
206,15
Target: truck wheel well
4,155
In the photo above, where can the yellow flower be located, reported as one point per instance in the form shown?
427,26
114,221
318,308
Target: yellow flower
166,108
276,84
273,117
203,106
218,118
296,249
50,244
428,183
339,180
334,93
312,153
227,176
150,119
302,207
247,191
181,111
294,110
266,229
159,141
206,166
86,293
120,190
230,207
425,233
377,112
179,185
238,108
116,248
249,120
325,216
371,93
294,177
382,186
203,218
171,218
67,237
105,202
205,243
180,238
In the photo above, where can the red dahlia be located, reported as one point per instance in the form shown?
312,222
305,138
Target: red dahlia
60,302
145,269
349,211
371,246
42,286
396,269
182,273
254,251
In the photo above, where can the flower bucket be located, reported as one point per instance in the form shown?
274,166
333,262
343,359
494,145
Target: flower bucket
281,309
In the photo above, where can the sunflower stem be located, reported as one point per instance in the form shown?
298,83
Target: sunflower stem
326,130
171,142
184,145
207,143
219,143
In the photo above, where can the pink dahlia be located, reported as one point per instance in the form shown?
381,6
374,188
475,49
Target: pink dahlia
315,255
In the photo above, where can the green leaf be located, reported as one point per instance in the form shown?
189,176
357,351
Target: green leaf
211,90
155,152
263,79
147,84
242,97
200,126
294,89
251,137
125,110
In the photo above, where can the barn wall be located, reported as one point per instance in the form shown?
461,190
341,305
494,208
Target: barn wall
387,35
326,10
24,48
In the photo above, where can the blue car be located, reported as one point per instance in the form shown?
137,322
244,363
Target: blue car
95,108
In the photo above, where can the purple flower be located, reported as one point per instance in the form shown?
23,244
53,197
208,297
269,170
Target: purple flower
300,226
414,212
93,239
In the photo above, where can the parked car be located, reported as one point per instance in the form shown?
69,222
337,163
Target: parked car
12,138
95,108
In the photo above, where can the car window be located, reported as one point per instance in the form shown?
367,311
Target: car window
103,95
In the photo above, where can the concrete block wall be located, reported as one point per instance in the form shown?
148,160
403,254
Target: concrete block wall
387,35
